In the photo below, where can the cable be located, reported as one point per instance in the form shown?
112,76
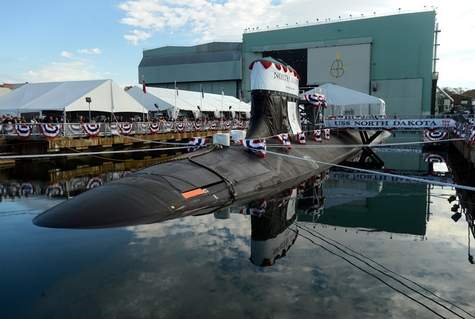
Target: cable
362,145
322,237
373,275
414,179
91,153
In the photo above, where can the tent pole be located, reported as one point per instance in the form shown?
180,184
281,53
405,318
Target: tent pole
112,101
64,122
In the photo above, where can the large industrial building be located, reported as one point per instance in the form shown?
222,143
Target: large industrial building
392,57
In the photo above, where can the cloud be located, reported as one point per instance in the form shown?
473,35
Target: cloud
67,54
63,71
90,51
135,36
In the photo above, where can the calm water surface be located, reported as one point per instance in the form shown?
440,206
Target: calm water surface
299,254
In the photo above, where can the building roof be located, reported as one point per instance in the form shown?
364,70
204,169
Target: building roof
166,99
70,96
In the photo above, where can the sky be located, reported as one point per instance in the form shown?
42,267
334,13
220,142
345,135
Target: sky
56,40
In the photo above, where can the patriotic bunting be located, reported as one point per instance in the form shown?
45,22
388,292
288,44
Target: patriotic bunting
54,190
434,158
23,130
94,182
317,135
154,127
326,133
179,126
50,130
92,129
196,143
284,139
434,135
26,189
125,128
257,147
301,138
316,99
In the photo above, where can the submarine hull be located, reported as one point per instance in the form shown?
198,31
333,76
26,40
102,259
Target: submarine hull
198,183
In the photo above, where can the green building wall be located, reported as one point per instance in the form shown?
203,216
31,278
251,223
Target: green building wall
402,47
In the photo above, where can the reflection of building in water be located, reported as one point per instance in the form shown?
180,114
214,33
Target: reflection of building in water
464,203
273,229
370,206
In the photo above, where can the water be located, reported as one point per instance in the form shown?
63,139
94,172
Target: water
278,257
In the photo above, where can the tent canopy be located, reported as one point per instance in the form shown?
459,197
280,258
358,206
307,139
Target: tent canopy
344,101
70,96
173,101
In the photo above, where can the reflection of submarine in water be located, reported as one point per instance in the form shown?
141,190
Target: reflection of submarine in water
207,180
273,230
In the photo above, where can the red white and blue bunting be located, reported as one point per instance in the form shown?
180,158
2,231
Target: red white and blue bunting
91,129
326,133
257,147
179,126
255,211
74,129
198,125
196,143
54,190
23,130
94,182
284,139
317,135
125,128
213,126
154,127
227,125
434,158
26,189
301,138
434,135
9,129
50,130
316,99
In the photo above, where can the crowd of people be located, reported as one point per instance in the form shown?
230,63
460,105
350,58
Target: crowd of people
11,119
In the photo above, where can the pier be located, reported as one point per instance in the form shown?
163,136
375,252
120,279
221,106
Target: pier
39,138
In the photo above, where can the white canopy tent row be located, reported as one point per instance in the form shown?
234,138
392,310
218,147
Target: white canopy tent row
344,101
70,96
173,101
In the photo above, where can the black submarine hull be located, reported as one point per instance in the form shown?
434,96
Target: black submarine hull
198,183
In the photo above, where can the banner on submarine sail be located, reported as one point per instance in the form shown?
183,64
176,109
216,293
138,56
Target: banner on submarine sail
271,76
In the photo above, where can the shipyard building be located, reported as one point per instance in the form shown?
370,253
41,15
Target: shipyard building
392,57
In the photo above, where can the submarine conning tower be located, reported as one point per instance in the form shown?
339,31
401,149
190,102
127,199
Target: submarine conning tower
274,99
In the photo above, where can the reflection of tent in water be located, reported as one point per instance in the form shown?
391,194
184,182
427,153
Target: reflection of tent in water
395,209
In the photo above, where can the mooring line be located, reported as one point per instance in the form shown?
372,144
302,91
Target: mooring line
91,153
372,275
409,178
363,145
366,262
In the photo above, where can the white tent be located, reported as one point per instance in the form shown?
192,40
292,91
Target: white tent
173,101
70,96
343,101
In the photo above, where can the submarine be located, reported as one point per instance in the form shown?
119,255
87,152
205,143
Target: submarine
209,179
